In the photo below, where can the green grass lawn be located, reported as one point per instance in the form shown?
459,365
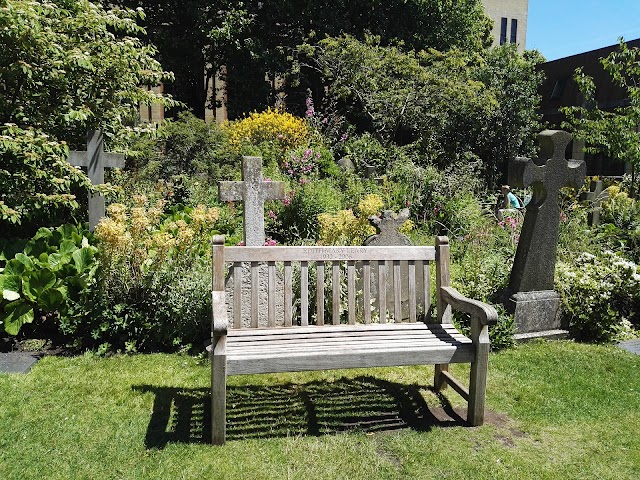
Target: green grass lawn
556,410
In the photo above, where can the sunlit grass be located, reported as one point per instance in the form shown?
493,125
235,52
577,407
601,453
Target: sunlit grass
556,410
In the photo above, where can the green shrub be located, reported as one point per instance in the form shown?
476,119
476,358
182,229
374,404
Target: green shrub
299,216
601,295
51,274
153,289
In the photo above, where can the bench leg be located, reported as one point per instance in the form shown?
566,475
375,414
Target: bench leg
218,392
438,380
478,385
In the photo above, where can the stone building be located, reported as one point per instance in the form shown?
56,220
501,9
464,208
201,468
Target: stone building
509,21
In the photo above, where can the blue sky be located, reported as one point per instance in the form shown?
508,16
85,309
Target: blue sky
560,28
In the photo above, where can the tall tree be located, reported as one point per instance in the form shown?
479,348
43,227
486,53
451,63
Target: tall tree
616,132
65,66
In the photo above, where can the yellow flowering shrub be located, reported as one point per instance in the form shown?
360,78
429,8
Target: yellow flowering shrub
281,128
347,228
136,239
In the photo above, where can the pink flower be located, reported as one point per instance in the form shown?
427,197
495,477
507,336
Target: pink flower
270,242
286,201
240,243
272,215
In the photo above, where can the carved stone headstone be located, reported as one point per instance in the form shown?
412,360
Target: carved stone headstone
96,160
388,234
535,304
253,191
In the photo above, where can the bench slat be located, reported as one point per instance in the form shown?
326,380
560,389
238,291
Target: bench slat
264,254
412,291
397,292
335,297
351,292
426,281
320,293
288,294
255,290
271,295
366,271
304,293
382,290
237,295
358,358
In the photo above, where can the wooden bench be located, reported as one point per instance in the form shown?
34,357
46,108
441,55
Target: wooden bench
322,340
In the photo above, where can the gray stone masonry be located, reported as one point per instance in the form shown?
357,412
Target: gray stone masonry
96,160
253,191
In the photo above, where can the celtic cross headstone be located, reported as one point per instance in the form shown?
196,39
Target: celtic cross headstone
535,303
96,160
253,191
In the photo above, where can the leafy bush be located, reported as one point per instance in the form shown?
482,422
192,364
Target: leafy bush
153,288
620,223
36,181
601,295
299,216
51,274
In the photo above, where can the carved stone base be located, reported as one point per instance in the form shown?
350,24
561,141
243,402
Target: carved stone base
535,311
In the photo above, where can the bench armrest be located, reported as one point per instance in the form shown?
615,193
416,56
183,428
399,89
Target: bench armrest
220,323
477,309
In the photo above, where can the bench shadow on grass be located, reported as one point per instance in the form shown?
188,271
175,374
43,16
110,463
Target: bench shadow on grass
362,404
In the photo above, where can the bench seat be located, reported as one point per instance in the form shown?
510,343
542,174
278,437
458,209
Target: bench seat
273,350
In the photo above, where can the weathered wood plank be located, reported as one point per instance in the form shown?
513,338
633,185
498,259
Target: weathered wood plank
218,251
351,292
397,292
218,391
271,295
265,254
335,293
304,293
412,291
426,281
320,293
255,291
237,295
366,271
382,291
303,361
288,294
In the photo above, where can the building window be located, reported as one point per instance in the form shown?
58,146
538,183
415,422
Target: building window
514,30
503,31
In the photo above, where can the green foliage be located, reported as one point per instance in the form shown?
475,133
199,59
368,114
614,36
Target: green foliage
36,181
152,292
67,66
510,129
189,146
601,295
613,133
51,274
70,65
299,219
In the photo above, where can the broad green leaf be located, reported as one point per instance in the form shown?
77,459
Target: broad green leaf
35,284
57,261
25,260
15,315
67,247
10,286
14,267
51,299
83,258
43,232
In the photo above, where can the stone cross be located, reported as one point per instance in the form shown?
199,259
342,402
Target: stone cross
253,191
535,260
595,196
96,160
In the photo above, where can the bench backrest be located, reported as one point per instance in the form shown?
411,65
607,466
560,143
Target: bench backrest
355,277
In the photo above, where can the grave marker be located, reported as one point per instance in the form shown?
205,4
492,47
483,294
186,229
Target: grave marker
535,304
253,191
96,160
